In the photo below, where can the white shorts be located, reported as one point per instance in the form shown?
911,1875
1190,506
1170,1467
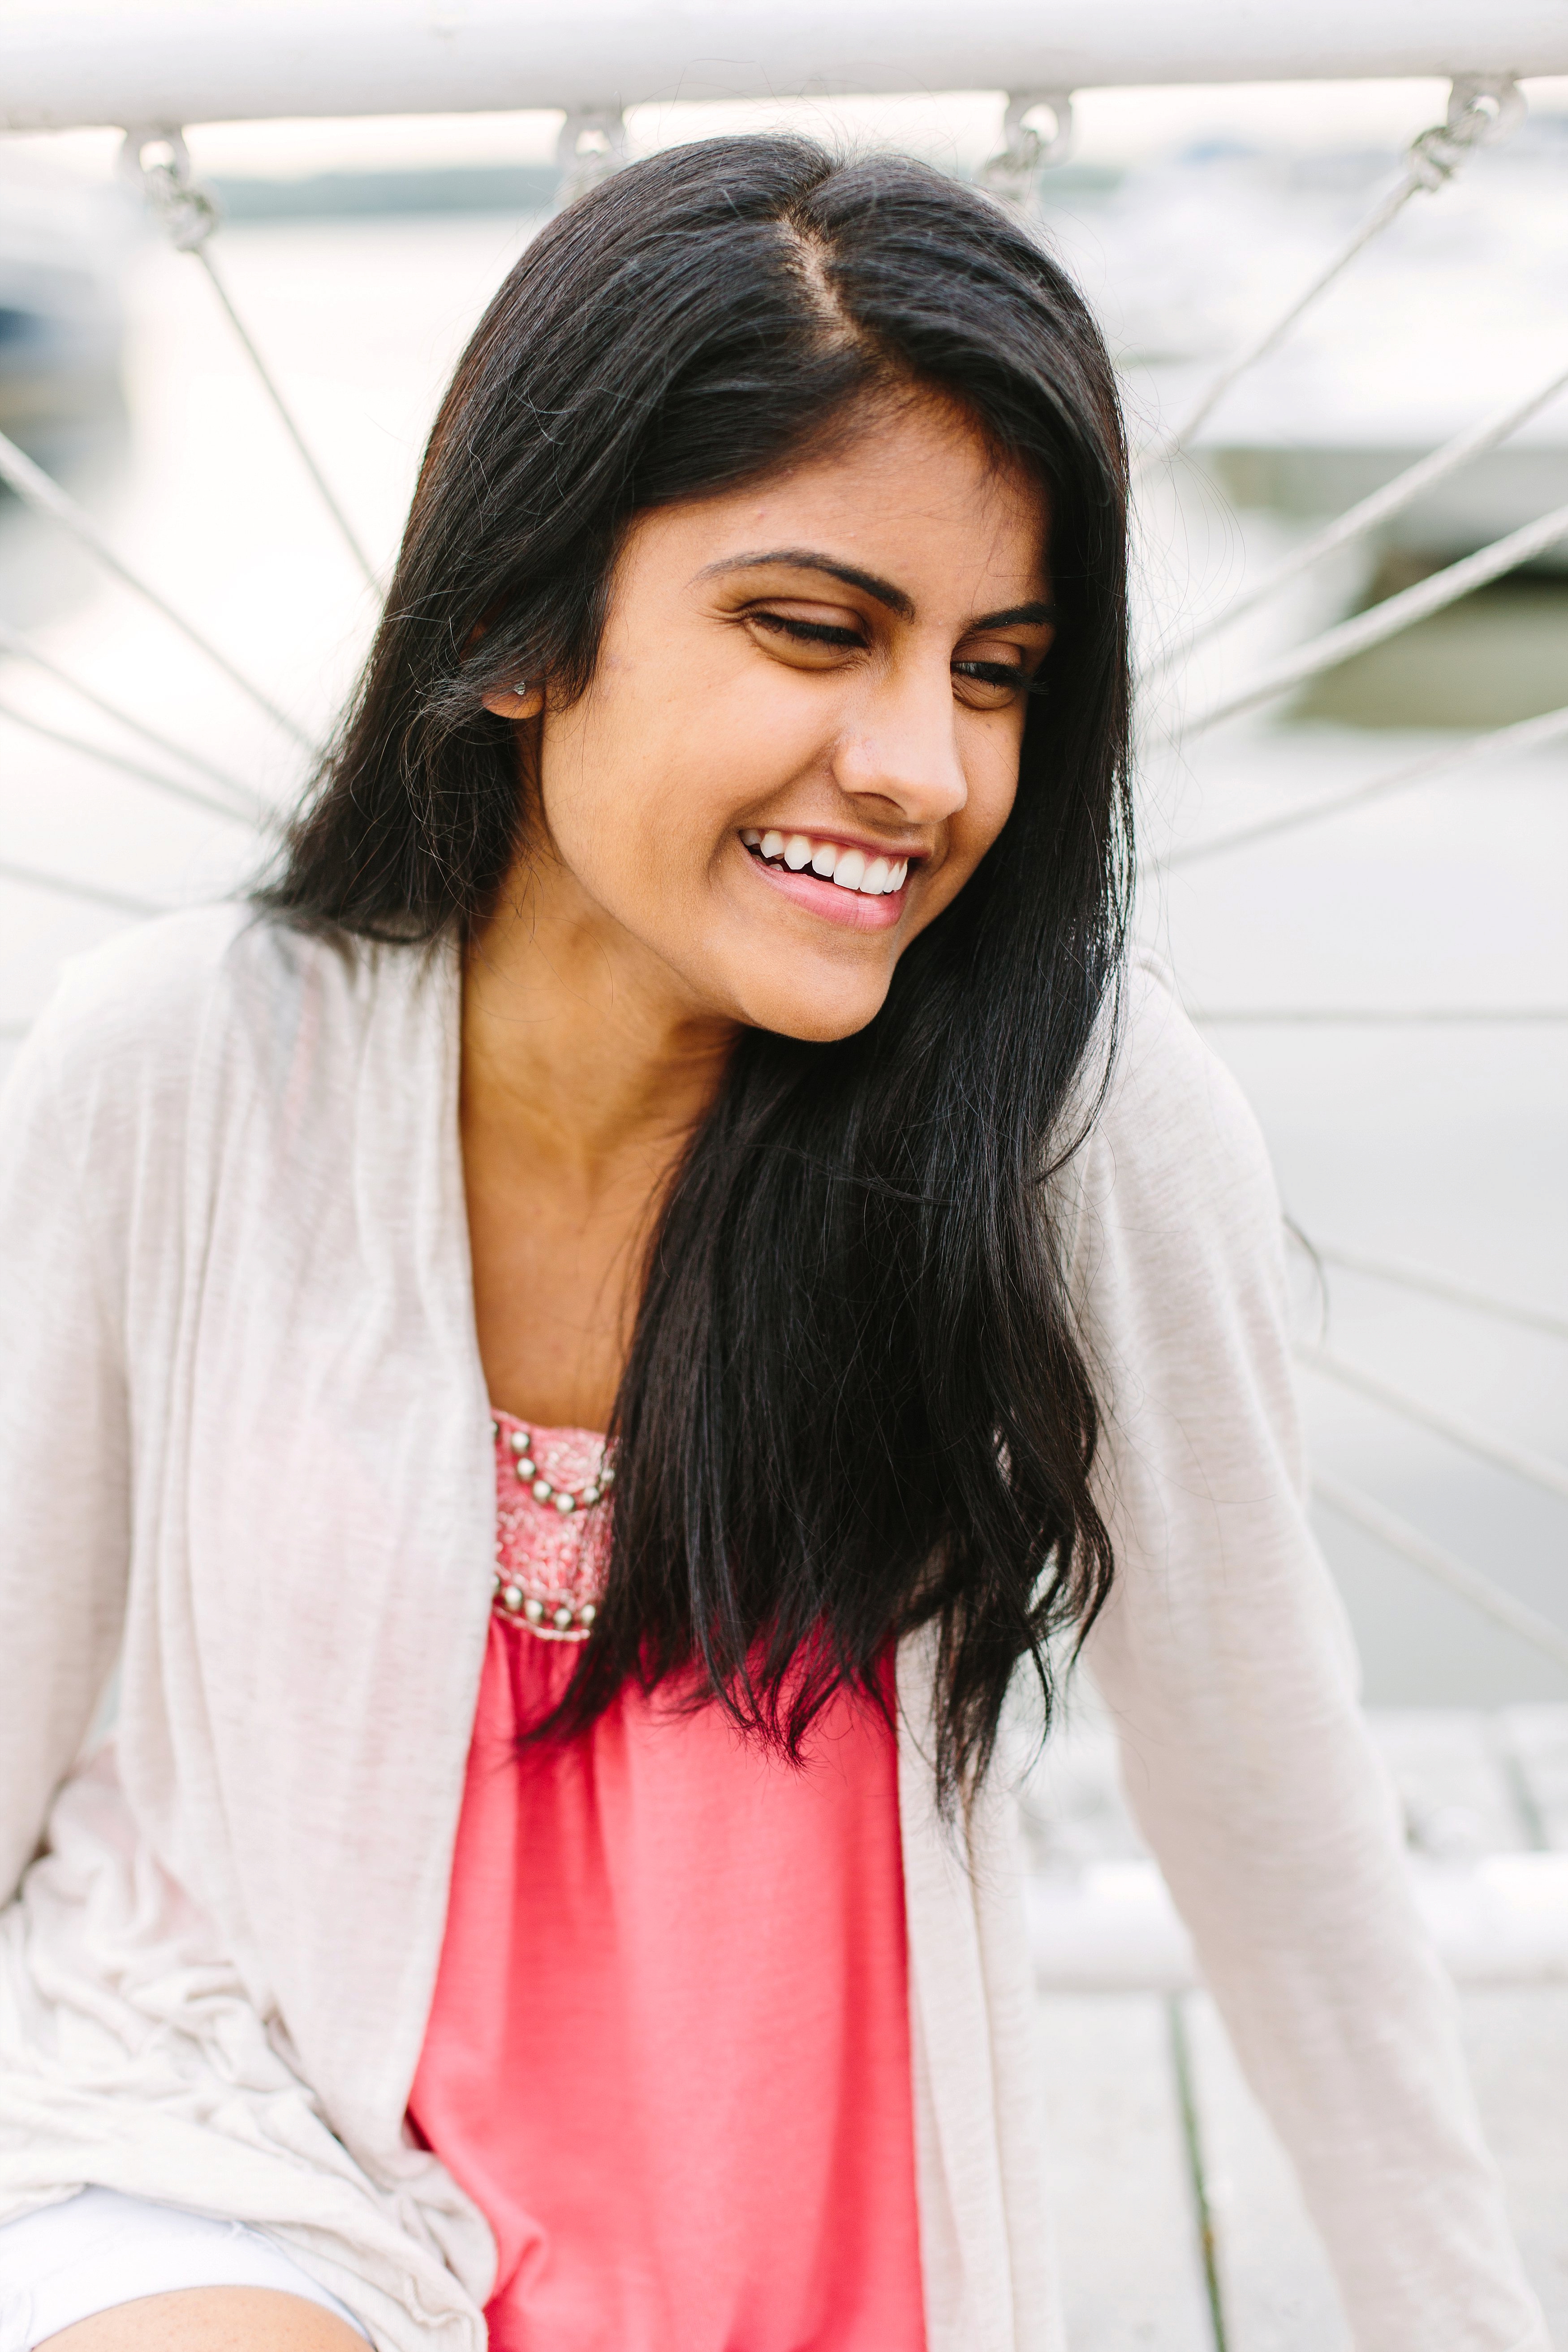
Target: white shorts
98,2249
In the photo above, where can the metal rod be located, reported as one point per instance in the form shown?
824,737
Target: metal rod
1451,1287
1481,1592
34,877
1520,1461
285,418
1368,514
1507,742
12,642
1387,619
45,497
73,62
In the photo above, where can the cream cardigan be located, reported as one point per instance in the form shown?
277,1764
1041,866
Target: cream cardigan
246,1449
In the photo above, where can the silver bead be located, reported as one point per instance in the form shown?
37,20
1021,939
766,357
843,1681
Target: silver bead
512,1596
565,1503
607,1476
542,1490
586,1614
534,1610
563,1619
527,1468
590,1497
518,1441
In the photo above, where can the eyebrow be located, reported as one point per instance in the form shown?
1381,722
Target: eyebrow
896,600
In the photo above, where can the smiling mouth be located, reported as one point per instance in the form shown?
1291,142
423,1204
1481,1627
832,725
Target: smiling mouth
803,853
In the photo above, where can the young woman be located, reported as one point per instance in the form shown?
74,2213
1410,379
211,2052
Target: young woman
578,1351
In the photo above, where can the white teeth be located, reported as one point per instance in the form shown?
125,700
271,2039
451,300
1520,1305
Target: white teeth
850,868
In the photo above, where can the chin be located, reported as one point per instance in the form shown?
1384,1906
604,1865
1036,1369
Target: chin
817,1016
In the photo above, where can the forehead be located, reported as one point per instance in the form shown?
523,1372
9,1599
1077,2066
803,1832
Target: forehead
911,492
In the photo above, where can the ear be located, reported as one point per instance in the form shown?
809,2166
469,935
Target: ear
522,701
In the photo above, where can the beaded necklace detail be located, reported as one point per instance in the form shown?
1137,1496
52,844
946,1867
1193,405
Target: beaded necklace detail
551,1548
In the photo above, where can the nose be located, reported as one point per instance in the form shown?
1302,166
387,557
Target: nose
901,747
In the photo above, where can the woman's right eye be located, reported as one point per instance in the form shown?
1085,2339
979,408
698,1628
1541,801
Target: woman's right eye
808,636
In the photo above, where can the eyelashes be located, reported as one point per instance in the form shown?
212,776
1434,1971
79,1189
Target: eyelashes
998,677
808,632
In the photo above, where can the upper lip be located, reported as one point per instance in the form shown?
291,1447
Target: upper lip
914,851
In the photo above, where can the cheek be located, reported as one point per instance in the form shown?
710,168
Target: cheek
636,799
991,766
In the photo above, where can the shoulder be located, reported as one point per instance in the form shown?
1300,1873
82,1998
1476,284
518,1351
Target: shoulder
1173,1180
177,1009
1174,1114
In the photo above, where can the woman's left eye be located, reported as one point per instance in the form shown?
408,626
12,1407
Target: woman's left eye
991,684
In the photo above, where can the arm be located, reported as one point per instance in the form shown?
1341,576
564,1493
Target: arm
64,1451
1227,1661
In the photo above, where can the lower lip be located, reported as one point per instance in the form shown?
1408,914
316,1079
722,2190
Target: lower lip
852,910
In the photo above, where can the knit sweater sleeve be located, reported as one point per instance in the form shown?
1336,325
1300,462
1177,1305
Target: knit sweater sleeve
64,1443
1227,1661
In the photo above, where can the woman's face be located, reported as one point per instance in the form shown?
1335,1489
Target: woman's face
802,732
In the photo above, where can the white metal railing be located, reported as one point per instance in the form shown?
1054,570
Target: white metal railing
65,63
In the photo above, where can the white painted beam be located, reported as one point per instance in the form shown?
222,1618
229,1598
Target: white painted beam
66,63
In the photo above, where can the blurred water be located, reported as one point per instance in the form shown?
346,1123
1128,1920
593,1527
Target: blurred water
1441,1145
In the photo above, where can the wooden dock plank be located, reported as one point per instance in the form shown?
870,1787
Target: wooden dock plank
1472,1784
1276,2288
1517,2042
1120,2197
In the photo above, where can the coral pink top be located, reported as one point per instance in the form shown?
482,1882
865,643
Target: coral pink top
668,2055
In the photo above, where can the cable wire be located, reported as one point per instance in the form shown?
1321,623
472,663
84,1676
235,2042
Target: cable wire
1480,110
45,497
1452,1288
1367,515
1507,742
1481,1592
12,642
161,783
1520,1461
189,214
285,418
34,877
1385,620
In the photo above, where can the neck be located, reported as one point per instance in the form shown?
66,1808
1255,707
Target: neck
578,1047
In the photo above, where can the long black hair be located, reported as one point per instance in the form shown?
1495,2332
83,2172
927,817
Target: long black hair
854,1402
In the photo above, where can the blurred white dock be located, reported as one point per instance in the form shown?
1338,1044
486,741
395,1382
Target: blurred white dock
1171,2194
